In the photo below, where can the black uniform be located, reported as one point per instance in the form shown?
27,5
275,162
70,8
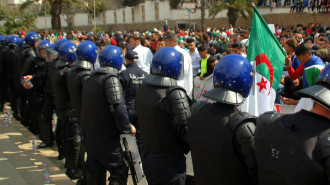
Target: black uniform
48,110
10,59
3,75
77,75
221,149
66,114
103,118
25,105
163,111
131,79
293,149
35,67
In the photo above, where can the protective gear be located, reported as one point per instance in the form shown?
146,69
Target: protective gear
67,52
87,50
323,146
100,116
14,40
158,133
77,75
167,62
42,45
231,86
113,89
21,42
160,81
111,56
286,148
243,125
51,46
320,92
221,163
51,55
59,43
31,38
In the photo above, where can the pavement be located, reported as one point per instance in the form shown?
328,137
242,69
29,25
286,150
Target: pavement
19,165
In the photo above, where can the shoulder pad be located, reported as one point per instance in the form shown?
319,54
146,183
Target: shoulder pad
61,64
31,53
178,104
84,75
239,117
266,119
113,89
323,146
160,81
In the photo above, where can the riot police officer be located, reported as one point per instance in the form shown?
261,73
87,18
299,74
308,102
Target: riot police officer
221,140
52,59
63,106
3,76
163,109
29,50
103,118
131,78
294,149
34,71
10,60
86,57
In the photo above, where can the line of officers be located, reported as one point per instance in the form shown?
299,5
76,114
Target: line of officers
95,106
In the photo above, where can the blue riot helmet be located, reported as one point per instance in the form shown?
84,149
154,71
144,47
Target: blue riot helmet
167,62
111,56
13,40
21,42
42,46
232,80
67,52
320,92
87,50
51,46
59,43
32,38
1,36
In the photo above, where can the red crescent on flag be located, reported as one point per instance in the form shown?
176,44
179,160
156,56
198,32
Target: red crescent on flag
263,59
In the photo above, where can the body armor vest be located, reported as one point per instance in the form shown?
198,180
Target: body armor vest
214,157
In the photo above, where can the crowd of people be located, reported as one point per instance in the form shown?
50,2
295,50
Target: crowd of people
102,85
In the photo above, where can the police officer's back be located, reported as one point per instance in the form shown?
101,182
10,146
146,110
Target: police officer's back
163,109
221,140
103,118
80,71
294,149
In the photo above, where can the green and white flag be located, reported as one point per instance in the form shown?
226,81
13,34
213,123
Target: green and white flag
267,56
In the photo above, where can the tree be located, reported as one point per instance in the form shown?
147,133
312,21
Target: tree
15,20
55,9
234,7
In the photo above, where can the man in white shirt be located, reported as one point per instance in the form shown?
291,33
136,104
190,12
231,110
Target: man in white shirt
144,53
195,57
186,78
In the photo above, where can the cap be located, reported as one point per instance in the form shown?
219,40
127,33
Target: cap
132,56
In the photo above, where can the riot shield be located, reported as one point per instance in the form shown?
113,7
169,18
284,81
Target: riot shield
132,156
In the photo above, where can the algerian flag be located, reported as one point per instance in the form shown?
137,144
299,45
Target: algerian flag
268,59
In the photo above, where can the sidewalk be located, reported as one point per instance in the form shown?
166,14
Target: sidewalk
19,165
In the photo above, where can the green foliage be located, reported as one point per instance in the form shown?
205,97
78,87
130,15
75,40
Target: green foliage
234,7
174,3
16,20
96,30
99,6
130,2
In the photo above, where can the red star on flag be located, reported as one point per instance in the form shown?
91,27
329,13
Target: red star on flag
262,84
